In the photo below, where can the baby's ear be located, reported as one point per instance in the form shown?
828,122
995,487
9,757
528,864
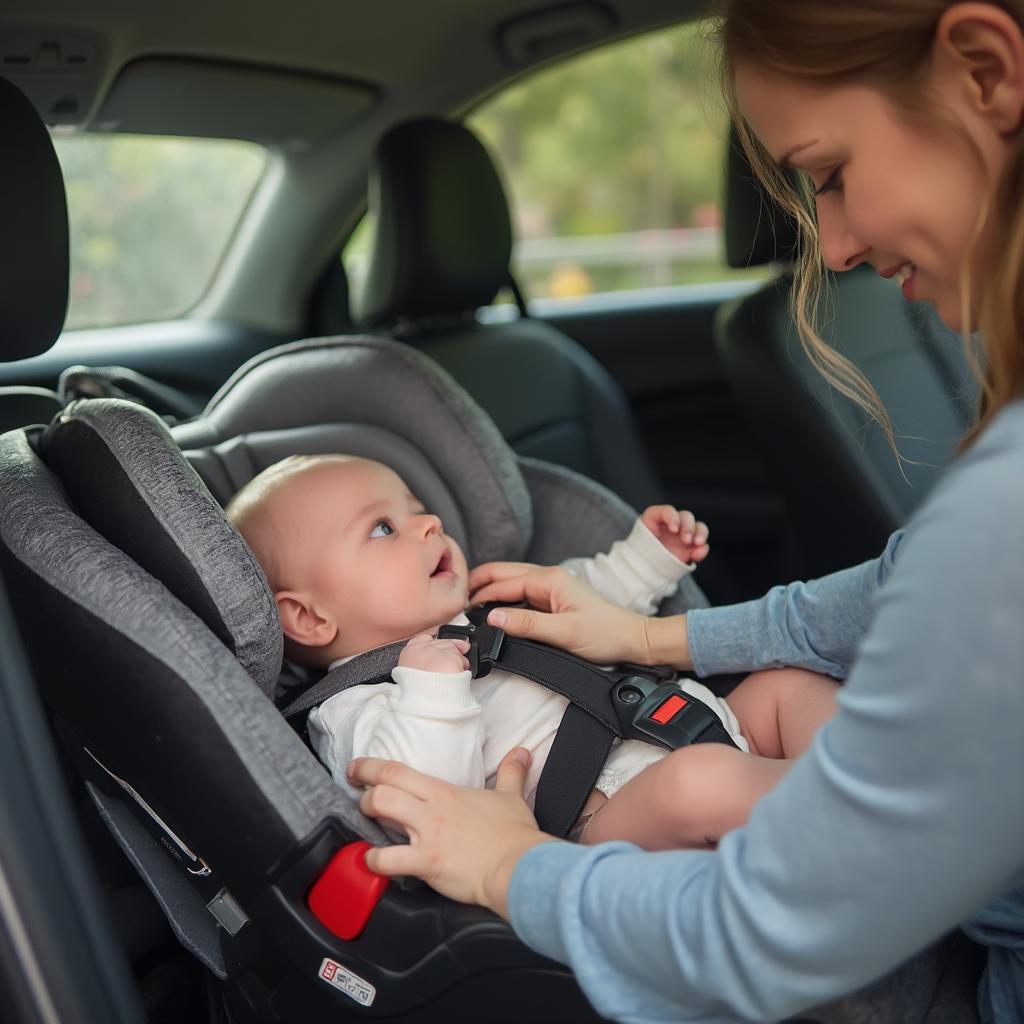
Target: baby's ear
302,622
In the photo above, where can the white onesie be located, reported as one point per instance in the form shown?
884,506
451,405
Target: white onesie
459,728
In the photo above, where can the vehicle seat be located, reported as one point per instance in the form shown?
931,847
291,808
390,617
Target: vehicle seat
34,284
845,489
115,550
440,250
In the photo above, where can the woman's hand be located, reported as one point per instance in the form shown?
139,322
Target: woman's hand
465,843
567,613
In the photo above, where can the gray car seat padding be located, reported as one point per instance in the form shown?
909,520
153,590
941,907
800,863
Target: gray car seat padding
226,467
148,687
128,479
387,385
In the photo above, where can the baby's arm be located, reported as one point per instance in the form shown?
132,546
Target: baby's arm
427,719
637,573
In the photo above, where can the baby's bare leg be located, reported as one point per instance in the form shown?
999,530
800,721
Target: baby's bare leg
780,710
691,797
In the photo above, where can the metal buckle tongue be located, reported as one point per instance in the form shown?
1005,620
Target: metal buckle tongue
484,645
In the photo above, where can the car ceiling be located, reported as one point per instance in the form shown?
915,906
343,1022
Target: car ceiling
316,80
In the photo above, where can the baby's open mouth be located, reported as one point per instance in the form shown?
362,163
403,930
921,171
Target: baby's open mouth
444,564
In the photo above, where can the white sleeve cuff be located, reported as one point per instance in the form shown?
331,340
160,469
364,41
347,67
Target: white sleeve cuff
434,692
669,568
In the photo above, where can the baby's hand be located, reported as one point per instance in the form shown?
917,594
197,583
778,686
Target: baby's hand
425,652
678,531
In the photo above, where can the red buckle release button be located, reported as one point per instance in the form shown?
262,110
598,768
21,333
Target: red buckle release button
344,896
668,708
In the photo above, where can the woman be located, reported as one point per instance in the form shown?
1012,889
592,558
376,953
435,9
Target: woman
905,817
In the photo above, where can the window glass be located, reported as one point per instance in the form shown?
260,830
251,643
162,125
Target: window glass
614,165
150,220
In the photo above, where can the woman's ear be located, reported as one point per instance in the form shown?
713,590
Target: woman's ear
302,621
983,46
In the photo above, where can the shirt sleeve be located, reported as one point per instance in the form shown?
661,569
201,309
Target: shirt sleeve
638,572
900,821
428,720
816,625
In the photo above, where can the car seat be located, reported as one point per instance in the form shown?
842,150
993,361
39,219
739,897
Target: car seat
440,249
156,646
845,489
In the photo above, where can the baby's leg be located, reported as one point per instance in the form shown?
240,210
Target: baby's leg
691,797
781,709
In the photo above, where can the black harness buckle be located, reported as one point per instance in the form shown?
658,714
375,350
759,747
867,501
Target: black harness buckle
484,645
662,713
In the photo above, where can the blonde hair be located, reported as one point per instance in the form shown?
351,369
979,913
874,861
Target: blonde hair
886,44
248,510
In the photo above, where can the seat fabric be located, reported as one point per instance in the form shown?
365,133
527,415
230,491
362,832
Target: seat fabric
440,250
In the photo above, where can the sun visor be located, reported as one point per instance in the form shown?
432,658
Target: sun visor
170,96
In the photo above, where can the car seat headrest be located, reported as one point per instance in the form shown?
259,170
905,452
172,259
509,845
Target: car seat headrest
757,229
130,482
379,399
442,235
34,284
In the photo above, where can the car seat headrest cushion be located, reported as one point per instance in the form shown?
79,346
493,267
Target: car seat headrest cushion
441,235
34,284
130,482
410,414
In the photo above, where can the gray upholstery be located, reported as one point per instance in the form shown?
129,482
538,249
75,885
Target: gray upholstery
122,466
380,384
46,544
439,245
439,252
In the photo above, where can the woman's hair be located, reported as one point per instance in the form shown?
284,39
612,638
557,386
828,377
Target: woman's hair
886,44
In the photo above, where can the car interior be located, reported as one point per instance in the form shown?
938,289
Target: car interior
167,834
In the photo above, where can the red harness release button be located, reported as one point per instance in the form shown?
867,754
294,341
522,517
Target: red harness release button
344,896
667,710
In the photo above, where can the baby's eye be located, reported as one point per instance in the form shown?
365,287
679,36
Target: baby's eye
382,529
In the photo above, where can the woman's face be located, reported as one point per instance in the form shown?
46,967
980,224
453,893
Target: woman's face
902,197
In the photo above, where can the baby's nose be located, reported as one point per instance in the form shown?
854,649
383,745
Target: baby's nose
431,523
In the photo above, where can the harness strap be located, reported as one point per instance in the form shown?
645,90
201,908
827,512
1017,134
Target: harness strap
578,753
603,705
372,667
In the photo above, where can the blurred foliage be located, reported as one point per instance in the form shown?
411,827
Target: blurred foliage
150,219
628,138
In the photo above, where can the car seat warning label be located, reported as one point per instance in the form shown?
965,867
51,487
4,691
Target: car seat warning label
351,984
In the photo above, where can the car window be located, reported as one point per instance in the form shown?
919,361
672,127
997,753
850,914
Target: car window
614,165
150,219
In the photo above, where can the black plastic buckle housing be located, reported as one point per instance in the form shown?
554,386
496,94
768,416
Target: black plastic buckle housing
636,699
484,645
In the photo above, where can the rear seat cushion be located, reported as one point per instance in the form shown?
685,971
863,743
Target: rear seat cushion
127,477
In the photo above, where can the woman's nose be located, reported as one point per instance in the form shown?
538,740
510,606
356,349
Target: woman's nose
841,249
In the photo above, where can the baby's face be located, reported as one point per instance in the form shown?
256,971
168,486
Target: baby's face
369,555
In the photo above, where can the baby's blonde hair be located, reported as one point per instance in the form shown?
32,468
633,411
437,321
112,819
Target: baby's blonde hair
248,510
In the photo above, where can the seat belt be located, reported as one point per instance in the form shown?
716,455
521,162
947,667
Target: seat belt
604,705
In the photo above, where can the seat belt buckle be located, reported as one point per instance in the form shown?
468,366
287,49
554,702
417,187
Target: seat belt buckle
484,645
662,713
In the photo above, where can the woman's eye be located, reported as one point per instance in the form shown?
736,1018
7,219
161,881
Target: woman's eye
831,183
382,529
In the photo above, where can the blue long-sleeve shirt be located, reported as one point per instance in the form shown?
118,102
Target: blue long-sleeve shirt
904,818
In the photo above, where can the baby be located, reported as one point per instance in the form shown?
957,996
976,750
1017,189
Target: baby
356,562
